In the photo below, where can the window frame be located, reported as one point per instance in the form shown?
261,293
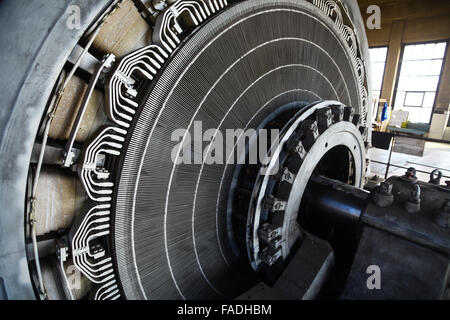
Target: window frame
399,68
410,106
384,69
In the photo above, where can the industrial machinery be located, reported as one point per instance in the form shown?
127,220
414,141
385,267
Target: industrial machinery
108,194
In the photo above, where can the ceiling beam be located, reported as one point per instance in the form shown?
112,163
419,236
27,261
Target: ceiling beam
406,9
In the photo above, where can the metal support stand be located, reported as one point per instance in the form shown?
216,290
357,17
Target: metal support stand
390,156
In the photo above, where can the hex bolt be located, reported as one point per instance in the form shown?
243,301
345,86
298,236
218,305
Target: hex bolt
268,203
411,173
413,204
415,194
435,177
382,195
386,187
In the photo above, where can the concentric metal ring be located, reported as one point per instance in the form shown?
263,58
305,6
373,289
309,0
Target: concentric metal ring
340,133
165,247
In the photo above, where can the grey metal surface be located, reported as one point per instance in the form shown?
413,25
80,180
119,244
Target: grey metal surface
88,62
422,226
35,45
308,270
410,248
407,270
304,277
335,201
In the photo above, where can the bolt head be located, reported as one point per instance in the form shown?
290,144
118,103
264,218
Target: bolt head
415,193
386,187
411,172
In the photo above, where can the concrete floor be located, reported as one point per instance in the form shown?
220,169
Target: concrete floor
435,155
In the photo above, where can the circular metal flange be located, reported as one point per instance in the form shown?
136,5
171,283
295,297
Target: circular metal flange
272,225
170,232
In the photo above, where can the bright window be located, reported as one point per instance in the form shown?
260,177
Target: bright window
419,78
378,64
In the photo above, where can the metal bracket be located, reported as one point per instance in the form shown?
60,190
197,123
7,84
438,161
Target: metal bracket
69,154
